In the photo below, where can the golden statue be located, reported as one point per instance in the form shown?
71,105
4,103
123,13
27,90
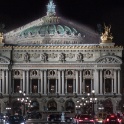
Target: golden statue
107,35
1,38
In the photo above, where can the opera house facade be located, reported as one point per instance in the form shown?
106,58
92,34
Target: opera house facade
60,66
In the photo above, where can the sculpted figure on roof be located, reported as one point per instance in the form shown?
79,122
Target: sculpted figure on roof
107,35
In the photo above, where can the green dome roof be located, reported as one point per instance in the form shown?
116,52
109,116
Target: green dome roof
50,29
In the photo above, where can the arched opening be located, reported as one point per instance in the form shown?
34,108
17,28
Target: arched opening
69,106
52,105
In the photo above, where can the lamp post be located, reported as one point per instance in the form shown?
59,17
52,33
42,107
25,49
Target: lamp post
93,99
24,100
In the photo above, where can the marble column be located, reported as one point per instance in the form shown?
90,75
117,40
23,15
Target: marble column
48,86
101,82
77,81
45,82
80,81
59,82
66,91
10,81
3,81
84,86
63,83
21,81
56,86
38,86
112,86
115,81
96,81
0,86
24,82
41,76
7,84
118,81
27,82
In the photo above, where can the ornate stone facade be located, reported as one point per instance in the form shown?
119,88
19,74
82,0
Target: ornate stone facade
56,75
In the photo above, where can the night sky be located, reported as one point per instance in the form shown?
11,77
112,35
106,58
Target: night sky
16,13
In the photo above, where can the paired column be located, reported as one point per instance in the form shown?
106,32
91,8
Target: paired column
24,82
101,81
59,81
45,82
27,81
3,81
7,84
41,76
96,80
115,81
118,81
0,86
80,81
77,81
63,85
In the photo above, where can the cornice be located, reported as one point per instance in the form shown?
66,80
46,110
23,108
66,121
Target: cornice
5,47
66,47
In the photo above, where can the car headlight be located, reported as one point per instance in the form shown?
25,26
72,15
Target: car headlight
7,123
22,123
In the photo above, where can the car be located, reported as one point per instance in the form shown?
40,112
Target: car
57,118
112,119
15,119
100,117
75,118
85,119
54,117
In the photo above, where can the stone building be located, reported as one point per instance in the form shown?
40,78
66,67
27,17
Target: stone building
56,63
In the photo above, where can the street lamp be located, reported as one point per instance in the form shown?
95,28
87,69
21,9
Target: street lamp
93,99
24,100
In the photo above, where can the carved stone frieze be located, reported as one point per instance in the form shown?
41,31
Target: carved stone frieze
44,57
35,55
53,55
17,56
62,57
26,57
79,57
88,55
109,60
70,55
4,60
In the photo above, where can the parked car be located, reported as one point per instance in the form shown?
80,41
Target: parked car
112,119
75,118
15,119
85,119
57,118
100,117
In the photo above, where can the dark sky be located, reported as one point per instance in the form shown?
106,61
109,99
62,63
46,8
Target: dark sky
16,13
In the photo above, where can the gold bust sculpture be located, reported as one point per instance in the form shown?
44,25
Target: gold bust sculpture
107,35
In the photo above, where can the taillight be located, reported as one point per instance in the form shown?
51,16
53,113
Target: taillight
107,119
119,120
92,120
96,119
80,120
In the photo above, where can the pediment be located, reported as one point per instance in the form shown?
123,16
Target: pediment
109,60
4,60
